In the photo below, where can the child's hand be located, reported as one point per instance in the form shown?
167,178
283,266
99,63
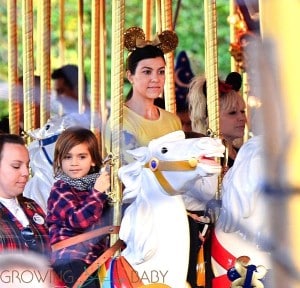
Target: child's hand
103,182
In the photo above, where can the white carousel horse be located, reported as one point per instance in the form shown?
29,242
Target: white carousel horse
154,226
41,151
242,228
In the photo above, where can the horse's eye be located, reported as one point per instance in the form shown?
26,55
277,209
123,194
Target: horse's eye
164,150
47,126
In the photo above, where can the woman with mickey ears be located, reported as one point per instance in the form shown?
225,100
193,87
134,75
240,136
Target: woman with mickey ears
22,221
145,70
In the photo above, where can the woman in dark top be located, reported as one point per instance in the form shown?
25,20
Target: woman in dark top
22,221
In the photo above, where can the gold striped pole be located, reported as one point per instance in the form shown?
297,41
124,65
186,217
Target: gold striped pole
158,16
170,98
45,62
232,30
212,87
95,69
81,82
62,44
147,18
117,72
14,101
282,135
211,65
28,65
103,98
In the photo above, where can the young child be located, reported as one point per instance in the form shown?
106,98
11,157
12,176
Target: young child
77,203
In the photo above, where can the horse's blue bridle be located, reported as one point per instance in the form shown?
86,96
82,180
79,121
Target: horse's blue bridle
45,142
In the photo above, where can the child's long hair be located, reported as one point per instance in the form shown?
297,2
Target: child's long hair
71,137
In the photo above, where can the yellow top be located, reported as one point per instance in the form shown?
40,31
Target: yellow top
138,131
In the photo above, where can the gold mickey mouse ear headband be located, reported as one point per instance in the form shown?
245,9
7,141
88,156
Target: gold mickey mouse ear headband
134,37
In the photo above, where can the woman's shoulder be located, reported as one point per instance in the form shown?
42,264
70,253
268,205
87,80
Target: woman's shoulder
24,200
169,116
165,113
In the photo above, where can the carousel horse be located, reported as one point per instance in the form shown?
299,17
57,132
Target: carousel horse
154,226
41,151
242,237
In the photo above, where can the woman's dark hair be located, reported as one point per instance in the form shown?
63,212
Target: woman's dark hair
147,52
10,138
71,137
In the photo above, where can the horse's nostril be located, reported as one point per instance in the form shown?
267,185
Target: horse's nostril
47,127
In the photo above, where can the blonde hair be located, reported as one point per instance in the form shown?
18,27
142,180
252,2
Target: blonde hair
198,103
229,100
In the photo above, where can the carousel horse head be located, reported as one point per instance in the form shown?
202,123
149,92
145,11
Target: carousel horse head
41,151
155,223
243,226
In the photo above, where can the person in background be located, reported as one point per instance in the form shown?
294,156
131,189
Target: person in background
65,84
22,222
183,76
36,94
4,122
232,125
77,203
232,110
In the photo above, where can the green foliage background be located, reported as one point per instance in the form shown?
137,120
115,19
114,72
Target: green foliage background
189,28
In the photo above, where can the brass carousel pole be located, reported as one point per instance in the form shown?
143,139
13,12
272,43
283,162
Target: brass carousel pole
28,65
13,95
147,18
170,98
103,96
211,70
282,135
81,82
158,16
117,72
62,45
45,63
95,70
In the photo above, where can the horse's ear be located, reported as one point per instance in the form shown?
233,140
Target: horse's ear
141,154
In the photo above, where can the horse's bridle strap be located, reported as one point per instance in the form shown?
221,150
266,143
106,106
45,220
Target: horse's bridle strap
164,182
182,165
48,141
156,166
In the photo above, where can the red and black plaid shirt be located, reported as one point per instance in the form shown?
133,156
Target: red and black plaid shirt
11,229
72,212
